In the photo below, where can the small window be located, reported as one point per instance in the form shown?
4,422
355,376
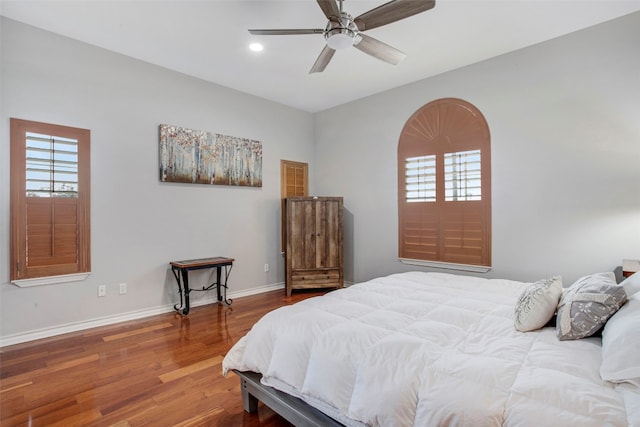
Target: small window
420,179
50,200
462,176
51,166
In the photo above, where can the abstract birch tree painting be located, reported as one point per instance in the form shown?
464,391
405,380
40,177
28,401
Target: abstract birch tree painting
201,157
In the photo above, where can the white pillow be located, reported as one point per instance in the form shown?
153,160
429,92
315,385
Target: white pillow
631,284
587,304
621,344
537,304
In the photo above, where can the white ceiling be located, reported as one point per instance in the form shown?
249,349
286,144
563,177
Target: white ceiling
209,39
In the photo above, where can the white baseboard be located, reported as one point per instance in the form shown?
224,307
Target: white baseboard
123,317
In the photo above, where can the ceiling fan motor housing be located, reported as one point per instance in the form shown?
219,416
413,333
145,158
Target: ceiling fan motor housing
341,34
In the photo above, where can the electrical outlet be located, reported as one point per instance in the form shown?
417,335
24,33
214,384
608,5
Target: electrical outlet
123,288
266,268
102,290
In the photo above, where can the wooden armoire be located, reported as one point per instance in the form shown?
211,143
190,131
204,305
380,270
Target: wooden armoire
314,243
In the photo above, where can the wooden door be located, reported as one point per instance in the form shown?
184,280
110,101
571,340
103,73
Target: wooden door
301,231
328,234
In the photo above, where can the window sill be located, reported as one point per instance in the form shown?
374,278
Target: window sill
446,265
51,280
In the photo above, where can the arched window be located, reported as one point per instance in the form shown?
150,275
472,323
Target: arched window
444,185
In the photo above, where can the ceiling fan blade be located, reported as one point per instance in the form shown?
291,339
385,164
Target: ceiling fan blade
286,32
378,49
330,9
322,61
392,11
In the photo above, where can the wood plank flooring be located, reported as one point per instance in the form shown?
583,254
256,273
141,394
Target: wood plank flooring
163,370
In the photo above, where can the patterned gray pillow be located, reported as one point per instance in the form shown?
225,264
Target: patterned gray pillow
537,304
587,305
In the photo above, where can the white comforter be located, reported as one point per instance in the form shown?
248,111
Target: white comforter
428,349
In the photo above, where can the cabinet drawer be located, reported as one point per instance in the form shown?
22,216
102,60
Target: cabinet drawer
316,278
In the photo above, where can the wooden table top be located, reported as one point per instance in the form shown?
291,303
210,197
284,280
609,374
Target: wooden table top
201,262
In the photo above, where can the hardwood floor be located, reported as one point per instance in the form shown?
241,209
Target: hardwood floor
163,370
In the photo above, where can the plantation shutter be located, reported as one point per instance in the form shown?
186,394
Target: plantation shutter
444,192
49,200
294,179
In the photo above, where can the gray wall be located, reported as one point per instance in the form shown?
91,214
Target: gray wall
139,224
564,118
565,124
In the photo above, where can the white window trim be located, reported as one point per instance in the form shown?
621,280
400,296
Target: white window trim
51,280
446,265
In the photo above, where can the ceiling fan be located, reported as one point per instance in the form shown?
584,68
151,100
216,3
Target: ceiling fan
343,31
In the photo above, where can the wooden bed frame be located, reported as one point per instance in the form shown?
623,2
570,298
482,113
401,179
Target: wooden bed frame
294,410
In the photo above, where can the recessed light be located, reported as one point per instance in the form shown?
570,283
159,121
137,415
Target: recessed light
256,47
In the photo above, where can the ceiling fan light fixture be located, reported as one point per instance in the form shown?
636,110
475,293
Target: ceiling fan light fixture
340,38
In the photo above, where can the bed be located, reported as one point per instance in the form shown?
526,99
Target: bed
435,349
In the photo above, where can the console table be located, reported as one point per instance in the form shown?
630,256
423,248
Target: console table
181,273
